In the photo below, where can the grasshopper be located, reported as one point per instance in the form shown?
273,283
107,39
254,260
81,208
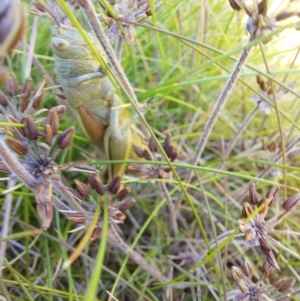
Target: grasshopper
92,97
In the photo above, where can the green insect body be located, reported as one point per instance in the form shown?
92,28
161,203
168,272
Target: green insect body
92,97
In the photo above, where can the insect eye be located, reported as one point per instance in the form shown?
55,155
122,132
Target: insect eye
60,44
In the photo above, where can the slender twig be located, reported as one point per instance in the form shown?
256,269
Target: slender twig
217,108
282,142
172,213
5,225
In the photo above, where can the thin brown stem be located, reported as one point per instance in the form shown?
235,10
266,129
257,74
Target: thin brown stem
282,142
217,108
5,225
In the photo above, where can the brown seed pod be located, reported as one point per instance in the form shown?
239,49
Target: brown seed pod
82,188
37,101
123,193
30,129
48,135
17,146
114,185
24,102
27,87
127,205
3,100
138,150
12,86
96,183
65,138
53,120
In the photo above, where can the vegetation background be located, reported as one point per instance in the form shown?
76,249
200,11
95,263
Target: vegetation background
179,63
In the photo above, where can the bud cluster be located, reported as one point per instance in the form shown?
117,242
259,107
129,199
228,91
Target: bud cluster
254,224
258,290
148,172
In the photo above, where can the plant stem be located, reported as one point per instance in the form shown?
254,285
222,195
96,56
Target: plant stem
217,108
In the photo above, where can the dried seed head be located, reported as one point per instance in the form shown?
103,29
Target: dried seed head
147,155
114,185
138,150
253,194
267,269
167,169
24,102
283,284
127,205
169,148
60,110
291,202
247,210
12,86
65,138
77,217
237,273
48,135
272,195
45,214
264,245
96,183
152,145
235,5
3,100
53,120
136,168
271,260
17,146
82,188
263,7
75,193
27,87
247,268
123,193
84,167
37,101
264,86
30,129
